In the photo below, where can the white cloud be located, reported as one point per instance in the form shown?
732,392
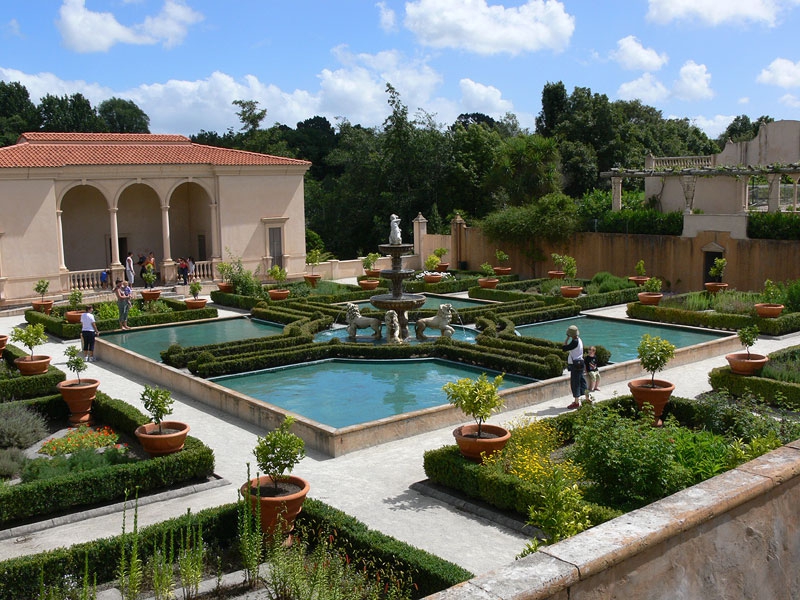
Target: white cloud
12,29
487,99
631,55
474,26
41,84
712,126
790,100
388,18
714,12
744,100
781,72
84,30
694,82
646,88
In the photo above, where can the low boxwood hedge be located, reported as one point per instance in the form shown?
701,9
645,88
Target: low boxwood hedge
19,387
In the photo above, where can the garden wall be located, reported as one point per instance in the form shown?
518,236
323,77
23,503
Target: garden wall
736,535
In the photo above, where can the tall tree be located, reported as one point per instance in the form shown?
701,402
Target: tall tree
69,113
742,129
554,107
249,114
17,112
526,168
123,116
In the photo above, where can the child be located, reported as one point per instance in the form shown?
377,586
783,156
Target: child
592,374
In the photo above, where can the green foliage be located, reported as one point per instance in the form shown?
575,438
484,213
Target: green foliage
652,285
195,288
772,293
149,275
20,426
487,270
30,336
278,273
74,299
641,221
440,253
501,256
567,264
773,225
41,287
368,262
225,270
640,270
654,354
75,361
316,256
432,262
748,336
80,461
279,451
158,402
476,398
717,270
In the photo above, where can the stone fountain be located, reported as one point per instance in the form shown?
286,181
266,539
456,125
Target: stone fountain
397,301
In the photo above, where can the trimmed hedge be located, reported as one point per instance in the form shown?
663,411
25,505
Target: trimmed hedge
19,577
38,499
27,386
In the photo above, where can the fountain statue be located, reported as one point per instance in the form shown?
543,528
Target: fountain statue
392,327
355,322
440,321
397,301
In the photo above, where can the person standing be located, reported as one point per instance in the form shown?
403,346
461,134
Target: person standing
592,372
573,345
129,274
123,304
89,332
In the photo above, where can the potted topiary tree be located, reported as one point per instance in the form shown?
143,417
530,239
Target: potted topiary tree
278,273
30,337
440,254
654,354
78,393
717,272
150,277
747,363
489,280
225,270
314,257
431,274
279,494
73,314
477,398
42,305
194,303
771,304
569,269
368,262
559,260
651,291
640,276
502,258
160,437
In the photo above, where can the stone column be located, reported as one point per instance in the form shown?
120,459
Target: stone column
216,251
458,241
616,193
774,199
114,227
60,239
420,224
165,234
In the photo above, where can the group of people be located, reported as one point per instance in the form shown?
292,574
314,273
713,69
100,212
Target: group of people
579,364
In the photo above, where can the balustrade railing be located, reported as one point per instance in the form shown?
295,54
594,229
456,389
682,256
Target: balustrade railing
86,280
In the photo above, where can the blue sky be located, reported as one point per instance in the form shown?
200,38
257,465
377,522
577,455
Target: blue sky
184,61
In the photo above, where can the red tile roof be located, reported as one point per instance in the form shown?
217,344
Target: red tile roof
42,149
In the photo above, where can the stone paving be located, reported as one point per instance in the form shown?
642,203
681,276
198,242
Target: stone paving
372,484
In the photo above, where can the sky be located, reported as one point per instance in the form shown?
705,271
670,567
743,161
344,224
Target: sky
185,61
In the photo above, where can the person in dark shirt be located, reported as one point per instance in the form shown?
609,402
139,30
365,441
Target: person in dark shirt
592,372
576,366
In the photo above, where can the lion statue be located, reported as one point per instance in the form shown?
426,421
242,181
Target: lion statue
392,327
355,322
441,322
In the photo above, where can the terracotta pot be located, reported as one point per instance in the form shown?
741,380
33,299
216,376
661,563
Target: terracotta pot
743,364
276,510
488,282
372,272
278,294
193,304
442,267
768,311
312,279
160,444
500,271
150,294
712,287
471,447
225,286
652,298
432,278
73,316
368,284
638,279
44,306
555,274
657,396
79,398
571,291
3,342
35,365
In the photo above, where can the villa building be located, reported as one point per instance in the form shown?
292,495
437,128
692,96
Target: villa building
74,204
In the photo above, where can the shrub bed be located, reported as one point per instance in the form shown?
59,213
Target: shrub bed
19,387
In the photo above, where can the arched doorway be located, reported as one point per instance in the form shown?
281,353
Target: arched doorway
85,228
190,222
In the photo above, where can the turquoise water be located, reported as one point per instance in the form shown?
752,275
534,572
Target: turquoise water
462,334
433,302
150,342
620,337
342,392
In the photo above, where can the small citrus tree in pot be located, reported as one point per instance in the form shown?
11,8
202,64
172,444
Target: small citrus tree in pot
477,398
42,305
160,437
194,289
78,394
30,337
654,354
278,494
747,363
278,273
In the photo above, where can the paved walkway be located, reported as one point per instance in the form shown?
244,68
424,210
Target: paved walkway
371,484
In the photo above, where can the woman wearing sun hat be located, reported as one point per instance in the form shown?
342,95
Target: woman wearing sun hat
573,345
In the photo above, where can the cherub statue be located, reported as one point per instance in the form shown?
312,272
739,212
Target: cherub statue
395,237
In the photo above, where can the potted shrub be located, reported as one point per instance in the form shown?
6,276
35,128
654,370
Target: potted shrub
30,337
640,276
431,276
477,398
569,269
746,363
717,272
42,305
225,270
489,280
313,258
278,273
771,301
651,291
77,393
559,260
501,257
150,277
368,262
194,289
73,315
160,437
279,495
440,254
654,354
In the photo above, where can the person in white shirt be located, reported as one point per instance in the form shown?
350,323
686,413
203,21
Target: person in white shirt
88,333
573,345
